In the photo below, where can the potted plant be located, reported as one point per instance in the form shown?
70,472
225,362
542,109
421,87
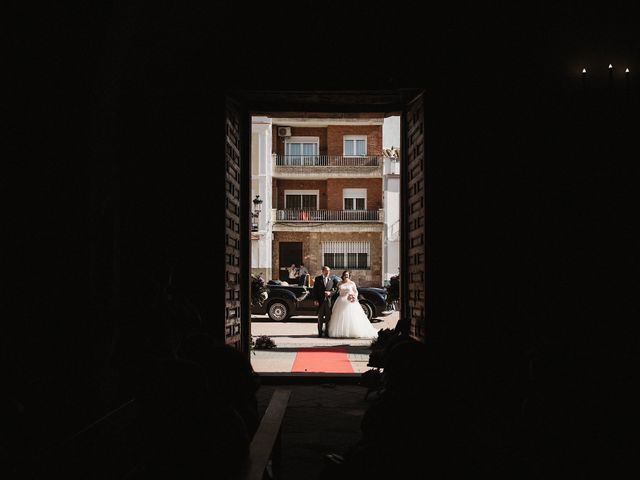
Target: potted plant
264,342
373,378
393,292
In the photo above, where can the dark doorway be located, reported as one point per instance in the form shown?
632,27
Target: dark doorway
290,253
240,106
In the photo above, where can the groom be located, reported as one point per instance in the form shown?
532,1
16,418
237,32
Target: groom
323,287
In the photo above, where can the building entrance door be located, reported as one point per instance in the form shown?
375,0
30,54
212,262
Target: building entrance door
290,252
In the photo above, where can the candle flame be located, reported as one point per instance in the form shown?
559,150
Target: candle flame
584,70
610,66
626,71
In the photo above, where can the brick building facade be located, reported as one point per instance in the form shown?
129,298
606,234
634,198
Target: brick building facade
327,196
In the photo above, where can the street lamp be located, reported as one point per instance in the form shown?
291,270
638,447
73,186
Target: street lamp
257,208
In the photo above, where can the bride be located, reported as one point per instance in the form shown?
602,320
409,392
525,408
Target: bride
348,320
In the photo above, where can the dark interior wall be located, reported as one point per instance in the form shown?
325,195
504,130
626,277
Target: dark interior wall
57,336
532,225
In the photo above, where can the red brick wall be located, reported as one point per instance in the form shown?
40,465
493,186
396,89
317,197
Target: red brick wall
335,134
331,138
330,191
278,144
335,186
281,185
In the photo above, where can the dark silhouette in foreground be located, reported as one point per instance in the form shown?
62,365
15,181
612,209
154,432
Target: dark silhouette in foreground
396,443
189,430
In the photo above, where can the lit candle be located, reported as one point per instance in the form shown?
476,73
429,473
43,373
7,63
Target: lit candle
584,77
626,76
610,76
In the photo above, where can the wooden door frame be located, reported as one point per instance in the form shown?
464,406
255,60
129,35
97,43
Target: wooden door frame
326,103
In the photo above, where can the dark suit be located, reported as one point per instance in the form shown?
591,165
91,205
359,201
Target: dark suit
324,308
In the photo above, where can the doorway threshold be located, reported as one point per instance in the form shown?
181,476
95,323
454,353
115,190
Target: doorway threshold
298,378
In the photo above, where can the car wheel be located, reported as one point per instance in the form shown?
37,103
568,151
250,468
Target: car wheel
368,310
278,311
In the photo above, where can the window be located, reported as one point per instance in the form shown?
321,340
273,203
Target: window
355,145
354,198
346,255
301,150
301,199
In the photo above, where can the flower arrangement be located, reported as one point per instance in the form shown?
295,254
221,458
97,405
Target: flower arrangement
259,292
304,294
351,297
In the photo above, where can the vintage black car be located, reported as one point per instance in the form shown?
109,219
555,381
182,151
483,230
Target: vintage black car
286,301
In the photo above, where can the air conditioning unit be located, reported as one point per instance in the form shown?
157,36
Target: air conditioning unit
284,131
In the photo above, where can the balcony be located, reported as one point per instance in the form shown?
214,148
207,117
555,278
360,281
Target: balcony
327,161
350,216
320,166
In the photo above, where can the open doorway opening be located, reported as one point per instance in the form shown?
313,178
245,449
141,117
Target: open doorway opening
325,192
290,261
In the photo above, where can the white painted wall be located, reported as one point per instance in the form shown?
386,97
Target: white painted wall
391,132
392,194
391,185
261,168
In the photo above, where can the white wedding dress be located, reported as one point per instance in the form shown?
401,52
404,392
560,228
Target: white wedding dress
348,320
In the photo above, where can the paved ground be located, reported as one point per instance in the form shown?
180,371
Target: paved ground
303,332
320,419
322,416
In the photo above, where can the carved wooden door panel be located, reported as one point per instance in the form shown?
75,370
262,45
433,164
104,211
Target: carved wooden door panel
414,279
236,232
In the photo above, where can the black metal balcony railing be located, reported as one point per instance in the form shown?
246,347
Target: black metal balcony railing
295,215
327,161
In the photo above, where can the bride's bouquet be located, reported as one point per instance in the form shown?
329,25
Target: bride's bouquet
351,297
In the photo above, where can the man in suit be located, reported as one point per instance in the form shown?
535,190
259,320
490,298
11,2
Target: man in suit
323,287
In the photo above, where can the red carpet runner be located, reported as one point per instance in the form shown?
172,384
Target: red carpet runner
325,359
